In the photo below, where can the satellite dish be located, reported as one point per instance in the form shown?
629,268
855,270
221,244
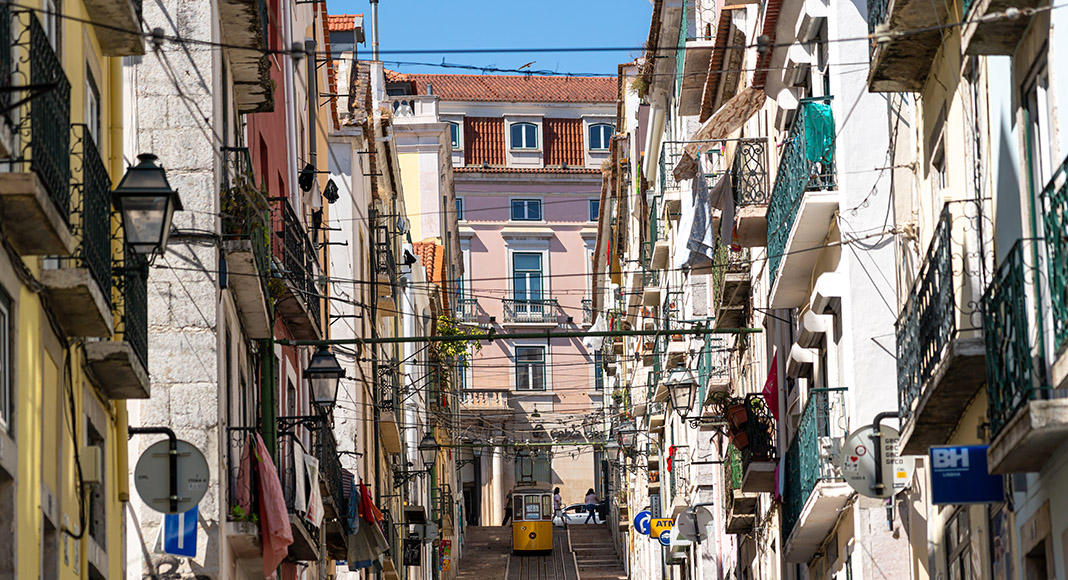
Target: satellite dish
693,523
153,478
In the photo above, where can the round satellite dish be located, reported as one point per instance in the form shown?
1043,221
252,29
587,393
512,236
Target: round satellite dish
152,477
693,523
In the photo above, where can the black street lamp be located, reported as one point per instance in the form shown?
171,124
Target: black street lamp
146,202
613,449
682,384
323,375
628,434
428,448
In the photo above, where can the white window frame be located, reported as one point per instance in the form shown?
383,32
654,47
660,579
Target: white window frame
525,146
541,207
545,365
458,143
1039,128
92,106
606,139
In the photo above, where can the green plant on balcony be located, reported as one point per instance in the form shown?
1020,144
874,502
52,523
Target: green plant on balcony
460,347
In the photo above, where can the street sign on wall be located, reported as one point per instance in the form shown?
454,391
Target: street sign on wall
959,475
152,477
660,528
641,522
180,533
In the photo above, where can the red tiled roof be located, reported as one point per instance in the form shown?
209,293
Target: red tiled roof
477,169
715,64
512,88
341,22
484,140
563,142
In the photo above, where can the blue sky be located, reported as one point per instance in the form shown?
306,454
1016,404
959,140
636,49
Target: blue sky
483,24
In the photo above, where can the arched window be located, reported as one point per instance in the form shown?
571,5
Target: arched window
600,135
454,134
524,136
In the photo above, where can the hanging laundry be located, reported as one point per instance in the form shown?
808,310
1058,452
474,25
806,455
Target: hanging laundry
274,519
819,131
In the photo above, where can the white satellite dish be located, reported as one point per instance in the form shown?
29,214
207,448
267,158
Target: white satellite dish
154,481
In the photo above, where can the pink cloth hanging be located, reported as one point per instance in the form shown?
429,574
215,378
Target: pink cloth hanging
274,519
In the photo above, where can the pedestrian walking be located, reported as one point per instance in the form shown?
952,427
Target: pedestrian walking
591,505
507,508
558,506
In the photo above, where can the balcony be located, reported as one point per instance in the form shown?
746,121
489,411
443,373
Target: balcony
120,365
305,546
1055,223
117,24
939,355
901,63
79,285
530,311
242,530
332,479
749,182
243,31
587,312
246,237
385,266
7,138
657,416
761,455
671,190
650,277
467,310
297,299
485,405
802,203
814,491
730,287
389,408
986,32
657,237
1028,417
740,505
35,194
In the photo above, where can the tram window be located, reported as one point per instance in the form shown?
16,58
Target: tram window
517,508
546,506
533,508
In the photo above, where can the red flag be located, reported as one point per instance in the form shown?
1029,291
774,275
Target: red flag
771,388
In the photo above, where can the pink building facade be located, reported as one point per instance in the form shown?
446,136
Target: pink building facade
527,155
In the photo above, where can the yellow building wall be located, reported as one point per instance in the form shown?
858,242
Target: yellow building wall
43,429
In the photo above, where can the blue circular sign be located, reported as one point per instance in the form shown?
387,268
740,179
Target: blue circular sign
641,522
665,538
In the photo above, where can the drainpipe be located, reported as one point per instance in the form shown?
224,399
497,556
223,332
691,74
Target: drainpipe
877,443
313,98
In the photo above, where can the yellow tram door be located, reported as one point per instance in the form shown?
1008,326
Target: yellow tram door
532,529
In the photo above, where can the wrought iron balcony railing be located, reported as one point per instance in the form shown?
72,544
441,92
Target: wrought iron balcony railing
298,255
650,277
749,172
467,310
724,262
384,263
809,459
246,213
388,394
760,430
587,311
131,278
1015,345
91,216
657,231
5,62
44,119
242,490
1055,224
670,154
331,472
928,320
806,163
533,311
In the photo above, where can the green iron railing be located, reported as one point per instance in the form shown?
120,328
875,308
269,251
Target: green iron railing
45,119
650,277
1055,223
726,261
91,215
806,462
1015,349
246,213
878,10
131,278
928,320
806,163
528,310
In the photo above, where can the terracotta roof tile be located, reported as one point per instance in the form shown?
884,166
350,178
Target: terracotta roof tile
432,256
512,88
484,140
476,169
341,22
563,142
771,19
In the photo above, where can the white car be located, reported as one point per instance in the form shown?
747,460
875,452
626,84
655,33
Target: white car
576,514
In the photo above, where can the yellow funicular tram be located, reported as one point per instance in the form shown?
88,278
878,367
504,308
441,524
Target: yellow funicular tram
532,520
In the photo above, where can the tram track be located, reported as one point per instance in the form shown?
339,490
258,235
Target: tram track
556,565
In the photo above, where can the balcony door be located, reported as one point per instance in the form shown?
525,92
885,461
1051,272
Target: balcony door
527,284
